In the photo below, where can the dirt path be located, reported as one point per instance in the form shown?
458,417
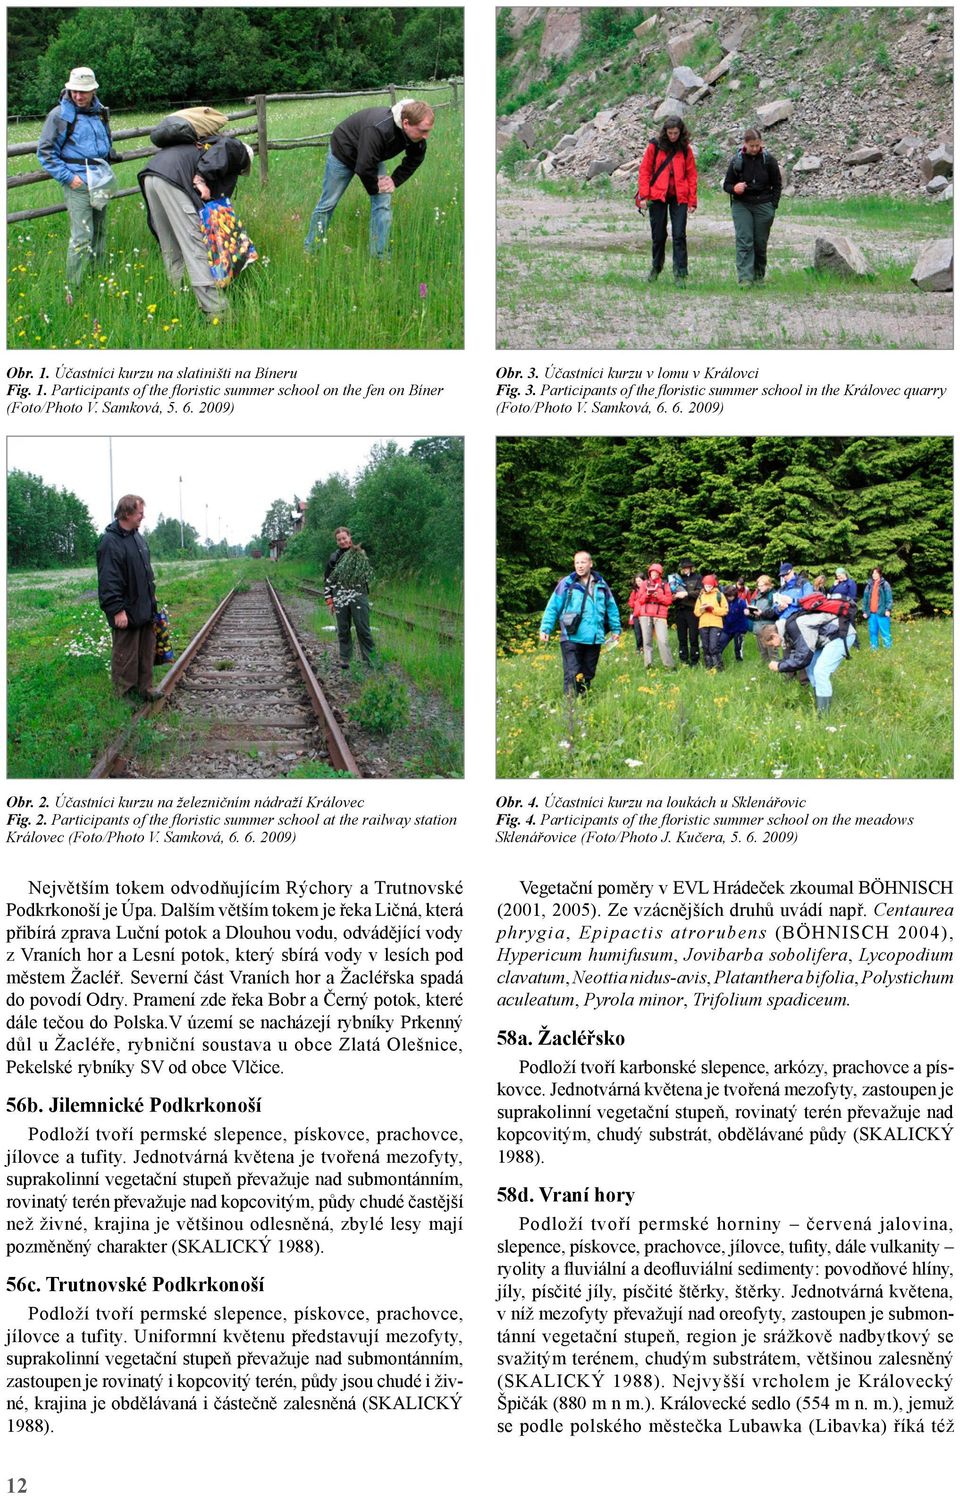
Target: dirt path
572,274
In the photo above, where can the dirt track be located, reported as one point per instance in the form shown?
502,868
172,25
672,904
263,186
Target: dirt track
572,274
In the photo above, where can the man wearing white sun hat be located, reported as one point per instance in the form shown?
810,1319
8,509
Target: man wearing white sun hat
74,138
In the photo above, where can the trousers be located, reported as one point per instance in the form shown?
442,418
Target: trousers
88,233
752,223
678,229
336,180
651,628
184,249
131,659
357,613
579,666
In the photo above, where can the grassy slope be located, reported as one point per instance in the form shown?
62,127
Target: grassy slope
337,299
891,716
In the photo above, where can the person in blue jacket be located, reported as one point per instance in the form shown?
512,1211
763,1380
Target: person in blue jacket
76,134
587,612
844,585
878,606
793,586
736,624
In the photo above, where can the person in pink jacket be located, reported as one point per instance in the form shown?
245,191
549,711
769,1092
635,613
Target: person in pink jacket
649,604
667,181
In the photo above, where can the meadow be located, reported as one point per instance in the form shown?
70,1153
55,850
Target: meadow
573,261
336,298
891,715
61,712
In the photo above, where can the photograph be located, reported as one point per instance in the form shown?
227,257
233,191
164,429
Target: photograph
756,607
715,177
235,608
174,176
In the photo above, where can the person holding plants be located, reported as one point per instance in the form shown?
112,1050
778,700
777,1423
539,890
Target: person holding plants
754,183
878,606
346,585
75,143
667,182
176,184
585,608
649,605
361,146
711,609
127,595
737,623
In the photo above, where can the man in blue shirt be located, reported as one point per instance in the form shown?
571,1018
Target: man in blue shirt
75,135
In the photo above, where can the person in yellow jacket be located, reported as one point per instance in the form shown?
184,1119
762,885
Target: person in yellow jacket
711,607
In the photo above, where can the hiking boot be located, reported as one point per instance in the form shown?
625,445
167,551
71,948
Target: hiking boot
823,705
653,275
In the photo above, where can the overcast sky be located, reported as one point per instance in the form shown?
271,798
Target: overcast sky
229,483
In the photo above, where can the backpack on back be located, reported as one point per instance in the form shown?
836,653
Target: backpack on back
187,126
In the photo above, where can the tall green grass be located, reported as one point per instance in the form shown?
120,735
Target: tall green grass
891,716
336,298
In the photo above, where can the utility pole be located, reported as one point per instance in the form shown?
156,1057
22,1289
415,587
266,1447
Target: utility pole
180,481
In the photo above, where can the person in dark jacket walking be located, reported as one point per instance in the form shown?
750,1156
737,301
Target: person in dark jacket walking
754,183
346,584
75,134
361,146
127,595
667,181
685,603
175,183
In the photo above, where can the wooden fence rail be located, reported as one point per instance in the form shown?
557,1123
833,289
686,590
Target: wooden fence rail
262,147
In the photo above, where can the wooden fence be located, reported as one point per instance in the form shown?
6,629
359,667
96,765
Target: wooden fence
262,146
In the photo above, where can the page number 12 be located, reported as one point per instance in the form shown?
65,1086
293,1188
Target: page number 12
17,1486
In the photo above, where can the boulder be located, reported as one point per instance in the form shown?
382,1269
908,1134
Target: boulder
863,156
808,163
683,83
526,133
774,113
721,69
946,195
840,255
668,107
907,145
522,16
937,184
504,138
938,162
565,143
733,85
934,269
679,47
562,32
645,27
701,93
859,172
604,118
602,167
732,40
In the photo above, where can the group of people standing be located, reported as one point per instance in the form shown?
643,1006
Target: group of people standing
802,628
667,183
181,181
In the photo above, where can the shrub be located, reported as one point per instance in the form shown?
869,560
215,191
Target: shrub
382,707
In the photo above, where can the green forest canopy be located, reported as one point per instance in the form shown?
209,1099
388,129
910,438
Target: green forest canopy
172,54
404,508
736,505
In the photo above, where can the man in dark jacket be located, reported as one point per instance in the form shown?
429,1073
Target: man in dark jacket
684,602
127,596
361,146
754,183
175,183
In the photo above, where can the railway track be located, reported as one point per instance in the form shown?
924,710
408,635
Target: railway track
247,700
445,628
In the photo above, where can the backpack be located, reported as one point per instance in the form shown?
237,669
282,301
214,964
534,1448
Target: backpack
738,159
187,126
840,608
72,125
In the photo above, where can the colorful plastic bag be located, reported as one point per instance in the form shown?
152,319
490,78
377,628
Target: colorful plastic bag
229,249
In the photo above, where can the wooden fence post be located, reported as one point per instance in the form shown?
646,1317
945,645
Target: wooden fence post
456,93
262,151
393,94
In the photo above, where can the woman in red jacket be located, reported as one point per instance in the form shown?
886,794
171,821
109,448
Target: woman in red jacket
668,182
649,605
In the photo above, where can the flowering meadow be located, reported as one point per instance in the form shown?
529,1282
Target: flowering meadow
337,297
891,716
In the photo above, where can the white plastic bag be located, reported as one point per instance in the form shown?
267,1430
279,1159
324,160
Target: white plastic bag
101,183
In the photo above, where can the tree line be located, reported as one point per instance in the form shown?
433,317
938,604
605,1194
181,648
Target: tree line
734,505
172,54
404,508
